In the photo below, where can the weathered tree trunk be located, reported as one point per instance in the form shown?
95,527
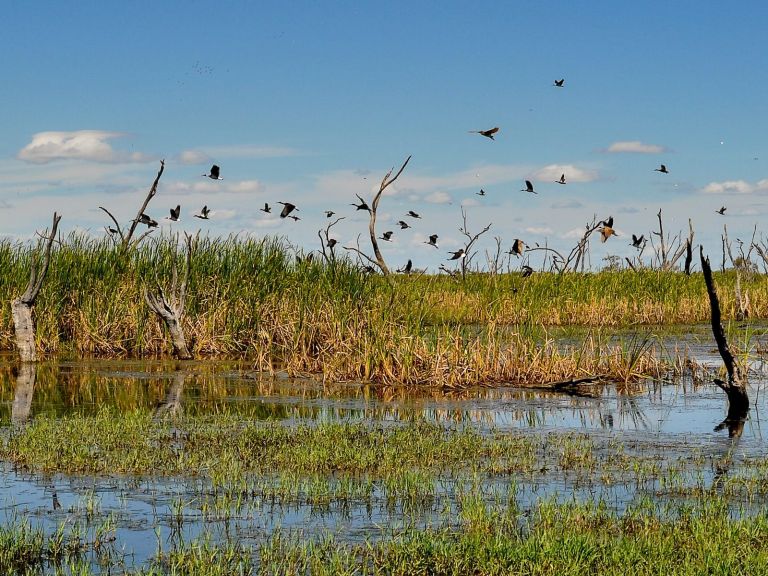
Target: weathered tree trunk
22,399
171,310
735,388
21,308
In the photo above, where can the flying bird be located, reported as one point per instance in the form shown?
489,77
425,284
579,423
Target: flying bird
287,209
145,219
174,217
412,214
527,271
722,210
386,236
487,133
403,224
332,242
481,193
203,213
606,232
268,210
407,268
361,206
294,217
432,240
637,242
518,247
214,173
458,255
329,213
559,83
608,222
662,169
562,179
112,230
528,187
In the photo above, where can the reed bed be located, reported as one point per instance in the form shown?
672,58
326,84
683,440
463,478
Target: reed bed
255,299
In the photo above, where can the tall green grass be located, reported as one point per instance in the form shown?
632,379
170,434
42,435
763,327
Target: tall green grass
254,298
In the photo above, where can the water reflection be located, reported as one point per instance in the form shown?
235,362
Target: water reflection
652,407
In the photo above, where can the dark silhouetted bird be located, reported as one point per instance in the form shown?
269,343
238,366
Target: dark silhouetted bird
562,179
518,247
403,224
407,268
113,230
481,193
287,209
145,219
637,242
214,173
662,169
267,209
458,255
329,213
432,240
559,83
174,217
487,133
528,187
294,217
527,271
332,242
387,236
361,206
608,222
722,210
203,213
413,214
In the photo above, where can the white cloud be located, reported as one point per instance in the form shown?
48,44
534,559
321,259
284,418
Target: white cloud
735,187
566,204
635,146
88,145
574,233
541,230
193,157
209,186
438,198
470,202
572,173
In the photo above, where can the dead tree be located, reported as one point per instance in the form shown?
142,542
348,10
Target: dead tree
325,242
735,388
127,235
385,183
21,308
471,239
170,309
671,250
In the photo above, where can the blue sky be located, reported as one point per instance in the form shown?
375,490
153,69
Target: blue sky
314,102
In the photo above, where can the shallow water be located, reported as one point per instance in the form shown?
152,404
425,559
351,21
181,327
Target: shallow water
667,420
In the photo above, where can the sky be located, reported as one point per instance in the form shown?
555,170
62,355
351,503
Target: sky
314,102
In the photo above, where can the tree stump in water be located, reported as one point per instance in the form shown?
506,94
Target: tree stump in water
21,308
735,388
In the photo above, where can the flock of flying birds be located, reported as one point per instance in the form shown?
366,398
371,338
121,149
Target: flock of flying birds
518,246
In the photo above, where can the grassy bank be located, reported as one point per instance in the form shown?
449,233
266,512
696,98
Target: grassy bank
254,299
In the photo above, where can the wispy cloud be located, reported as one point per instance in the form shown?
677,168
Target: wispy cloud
438,197
566,204
635,146
735,187
206,186
541,230
572,173
87,145
248,151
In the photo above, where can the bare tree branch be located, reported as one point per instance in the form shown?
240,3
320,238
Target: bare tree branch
150,195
